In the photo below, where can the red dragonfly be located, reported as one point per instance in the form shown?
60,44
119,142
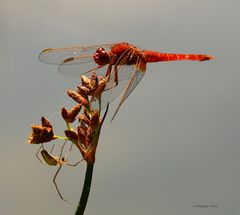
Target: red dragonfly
123,63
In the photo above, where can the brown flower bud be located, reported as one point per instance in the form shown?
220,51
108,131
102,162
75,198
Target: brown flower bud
86,82
46,123
89,136
84,118
64,114
94,81
83,91
95,119
70,116
41,133
82,131
71,135
98,91
78,98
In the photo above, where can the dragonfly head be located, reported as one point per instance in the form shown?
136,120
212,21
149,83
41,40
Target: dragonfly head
101,56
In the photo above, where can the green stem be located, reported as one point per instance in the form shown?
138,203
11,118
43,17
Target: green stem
68,126
61,138
86,189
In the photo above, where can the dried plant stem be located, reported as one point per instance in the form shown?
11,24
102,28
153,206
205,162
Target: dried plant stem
86,189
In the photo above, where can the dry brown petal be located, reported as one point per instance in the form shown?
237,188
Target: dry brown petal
78,98
46,123
84,118
71,135
82,131
40,134
85,112
94,80
74,112
95,119
89,136
98,91
86,81
83,91
70,116
64,113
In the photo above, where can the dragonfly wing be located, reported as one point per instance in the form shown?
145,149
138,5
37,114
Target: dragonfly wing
73,61
136,77
112,90
76,66
110,95
58,55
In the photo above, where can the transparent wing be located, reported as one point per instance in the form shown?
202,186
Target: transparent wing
58,55
109,96
128,78
86,68
73,61
112,90
137,75
82,65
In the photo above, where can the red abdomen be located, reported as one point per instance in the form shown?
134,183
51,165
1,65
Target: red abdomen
151,56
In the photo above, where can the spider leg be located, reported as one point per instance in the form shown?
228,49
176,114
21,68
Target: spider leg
56,186
55,183
52,149
62,148
41,147
75,164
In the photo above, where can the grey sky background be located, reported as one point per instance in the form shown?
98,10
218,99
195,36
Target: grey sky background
174,143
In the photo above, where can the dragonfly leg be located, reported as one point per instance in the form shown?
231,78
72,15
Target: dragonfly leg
112,62
109,69
115,76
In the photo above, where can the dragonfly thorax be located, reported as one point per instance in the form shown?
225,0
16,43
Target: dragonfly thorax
101,56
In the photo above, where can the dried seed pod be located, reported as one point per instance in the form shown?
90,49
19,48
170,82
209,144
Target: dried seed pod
86,82
83,91
98,91
94,81
70,116
85,119
95,119
71,135
41,133
46,123
78,98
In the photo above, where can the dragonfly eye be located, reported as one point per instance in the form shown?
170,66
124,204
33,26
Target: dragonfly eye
101,57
